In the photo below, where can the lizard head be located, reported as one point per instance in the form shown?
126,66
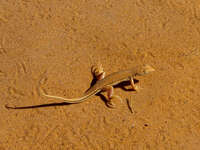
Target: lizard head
144,70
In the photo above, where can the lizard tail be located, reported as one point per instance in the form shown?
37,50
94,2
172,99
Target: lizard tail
72,100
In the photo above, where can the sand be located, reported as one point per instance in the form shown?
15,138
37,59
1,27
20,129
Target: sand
53,44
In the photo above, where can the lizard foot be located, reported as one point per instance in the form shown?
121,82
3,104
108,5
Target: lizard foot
110,104
110,94
137,88
98,72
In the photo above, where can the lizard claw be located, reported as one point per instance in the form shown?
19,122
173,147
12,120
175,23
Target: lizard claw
110,104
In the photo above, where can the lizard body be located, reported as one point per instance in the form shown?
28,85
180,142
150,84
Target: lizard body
107,83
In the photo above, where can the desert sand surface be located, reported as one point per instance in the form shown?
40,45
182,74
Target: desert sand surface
53,44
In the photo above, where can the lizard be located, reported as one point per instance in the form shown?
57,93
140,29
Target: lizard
106,83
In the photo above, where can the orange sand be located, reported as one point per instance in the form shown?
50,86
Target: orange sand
56,42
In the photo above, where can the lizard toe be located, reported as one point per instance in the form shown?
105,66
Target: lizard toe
110,104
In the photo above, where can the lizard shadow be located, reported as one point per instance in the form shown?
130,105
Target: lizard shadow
121,85
37,106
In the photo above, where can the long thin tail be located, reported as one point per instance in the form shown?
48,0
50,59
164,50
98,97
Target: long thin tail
73,100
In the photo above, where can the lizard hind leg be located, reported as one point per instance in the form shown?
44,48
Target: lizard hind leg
110,94
98,72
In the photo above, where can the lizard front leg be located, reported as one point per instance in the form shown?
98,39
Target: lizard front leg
134,87
110,93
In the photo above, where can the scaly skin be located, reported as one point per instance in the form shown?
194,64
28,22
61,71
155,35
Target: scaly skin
107,83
